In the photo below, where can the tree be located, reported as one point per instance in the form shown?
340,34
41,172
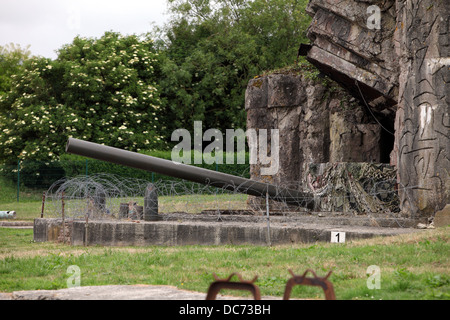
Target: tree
102,90
212,48
28,121
132,93
12,57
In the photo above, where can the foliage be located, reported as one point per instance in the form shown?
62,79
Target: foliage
212,48
75,165
37,176
12,57
131,92
102,90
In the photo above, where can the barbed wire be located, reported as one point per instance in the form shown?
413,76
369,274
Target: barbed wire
100,196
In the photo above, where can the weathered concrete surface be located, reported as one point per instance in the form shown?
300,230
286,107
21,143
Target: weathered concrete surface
403,64
228,231
47,229
423,120
116,292
17,224
318,122
348,49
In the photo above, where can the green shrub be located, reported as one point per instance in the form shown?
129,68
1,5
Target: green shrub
40,175
74,165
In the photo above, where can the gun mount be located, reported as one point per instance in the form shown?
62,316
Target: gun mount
190,173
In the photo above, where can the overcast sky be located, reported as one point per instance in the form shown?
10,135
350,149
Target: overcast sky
46,25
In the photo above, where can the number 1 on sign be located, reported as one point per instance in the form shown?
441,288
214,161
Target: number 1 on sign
337,237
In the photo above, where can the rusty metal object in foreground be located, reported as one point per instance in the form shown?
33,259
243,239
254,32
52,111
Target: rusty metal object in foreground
324,283
245,285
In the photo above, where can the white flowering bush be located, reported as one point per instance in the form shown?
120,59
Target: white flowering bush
102,90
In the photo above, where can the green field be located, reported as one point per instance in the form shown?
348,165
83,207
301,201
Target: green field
414,266
28,211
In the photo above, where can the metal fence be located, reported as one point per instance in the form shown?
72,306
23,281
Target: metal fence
27,180
108,196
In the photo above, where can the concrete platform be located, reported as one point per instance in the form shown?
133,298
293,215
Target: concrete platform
17,224
114,292
122,292
188,229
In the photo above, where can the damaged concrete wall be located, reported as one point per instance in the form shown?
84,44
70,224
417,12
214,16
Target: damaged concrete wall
423,122
344,47
403,65
393,56
318,122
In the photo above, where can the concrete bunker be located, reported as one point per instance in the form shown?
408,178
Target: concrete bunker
328,133
331,144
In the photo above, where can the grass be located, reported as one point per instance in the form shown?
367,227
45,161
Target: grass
28,211
8,193
195,203
25,211
30,205
414,266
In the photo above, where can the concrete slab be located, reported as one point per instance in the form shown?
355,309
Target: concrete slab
17,224
188,229
116,292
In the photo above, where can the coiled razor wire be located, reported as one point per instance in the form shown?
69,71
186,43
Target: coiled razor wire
100,196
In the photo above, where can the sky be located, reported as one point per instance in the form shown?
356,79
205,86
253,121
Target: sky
46,25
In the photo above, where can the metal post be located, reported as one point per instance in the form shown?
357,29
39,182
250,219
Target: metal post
268,220
63,220
43,203
86,234
18,179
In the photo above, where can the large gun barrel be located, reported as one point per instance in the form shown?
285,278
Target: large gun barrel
190,173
